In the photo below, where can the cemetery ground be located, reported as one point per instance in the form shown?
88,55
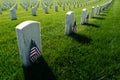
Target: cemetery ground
92,53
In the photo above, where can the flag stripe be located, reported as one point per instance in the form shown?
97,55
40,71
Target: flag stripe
34,54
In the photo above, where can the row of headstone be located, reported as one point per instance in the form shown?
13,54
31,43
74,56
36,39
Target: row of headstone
24,6
99,9
45,8
104,6
29,43
69,26
64,5
6,5
33,7
29,52
37,4
26,38
33,3
15,6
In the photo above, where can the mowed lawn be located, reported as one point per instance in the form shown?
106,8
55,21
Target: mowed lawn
93,53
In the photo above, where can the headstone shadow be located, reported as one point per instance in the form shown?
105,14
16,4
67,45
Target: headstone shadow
80,38
92,25
105,11
38,71
99,18
103,14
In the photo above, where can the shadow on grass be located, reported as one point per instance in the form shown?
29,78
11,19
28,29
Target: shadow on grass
100,18
92,25
80,38
103,14
105,11
38,71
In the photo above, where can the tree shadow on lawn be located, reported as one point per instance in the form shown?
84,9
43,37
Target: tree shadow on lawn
38,71
92,25
80,38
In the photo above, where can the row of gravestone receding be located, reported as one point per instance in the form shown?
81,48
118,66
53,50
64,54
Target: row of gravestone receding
13,15
29,43
67,5
5,5
12,12
71,22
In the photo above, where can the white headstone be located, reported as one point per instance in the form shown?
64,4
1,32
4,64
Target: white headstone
69,22
84,15
56,8
27,31
63,7
13,14
92,12
34,11
0,11
46,9
103,7
26,8
97,10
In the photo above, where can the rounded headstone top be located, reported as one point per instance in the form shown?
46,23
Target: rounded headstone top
93,7
70,12
84,9
26,23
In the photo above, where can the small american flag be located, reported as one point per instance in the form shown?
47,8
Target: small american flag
34,52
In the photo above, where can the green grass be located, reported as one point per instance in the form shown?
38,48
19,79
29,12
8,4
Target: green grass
91,54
